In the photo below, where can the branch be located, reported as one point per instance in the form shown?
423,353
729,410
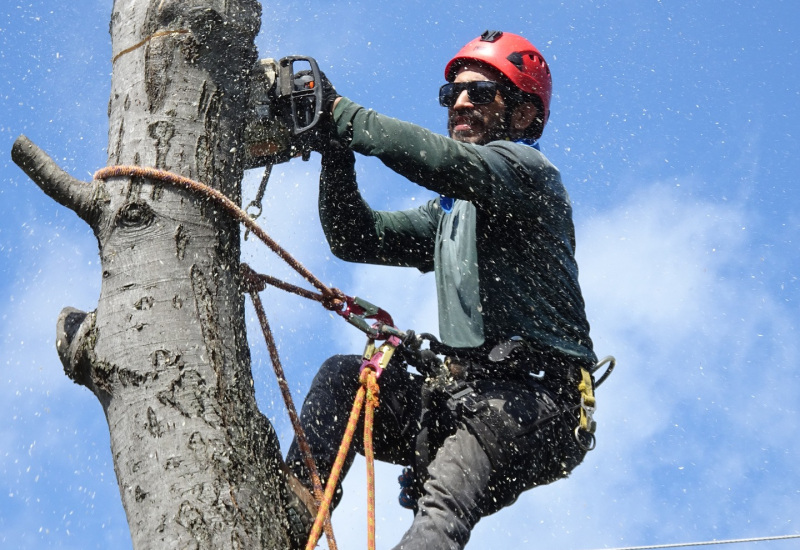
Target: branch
74,343
55,182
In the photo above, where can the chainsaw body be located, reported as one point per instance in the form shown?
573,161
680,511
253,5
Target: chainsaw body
285,103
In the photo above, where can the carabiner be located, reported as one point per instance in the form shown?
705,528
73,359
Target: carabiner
378,358
357,311
611,361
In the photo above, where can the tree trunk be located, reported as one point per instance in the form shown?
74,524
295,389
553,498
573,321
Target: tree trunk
165,351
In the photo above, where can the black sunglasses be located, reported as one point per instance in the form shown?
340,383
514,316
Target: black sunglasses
480,92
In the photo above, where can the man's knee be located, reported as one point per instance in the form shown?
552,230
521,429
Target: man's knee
339,370
336,379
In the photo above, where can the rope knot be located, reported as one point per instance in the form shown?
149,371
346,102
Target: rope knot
369,379
251,281
333,299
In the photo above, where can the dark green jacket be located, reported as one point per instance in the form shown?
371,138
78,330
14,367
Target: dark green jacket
503,257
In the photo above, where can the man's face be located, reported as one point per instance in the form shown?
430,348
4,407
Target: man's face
478,124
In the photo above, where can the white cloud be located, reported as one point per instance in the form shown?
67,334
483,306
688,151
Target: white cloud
58,478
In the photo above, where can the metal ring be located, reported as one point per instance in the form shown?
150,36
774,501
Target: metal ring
612,362
254,205
593,440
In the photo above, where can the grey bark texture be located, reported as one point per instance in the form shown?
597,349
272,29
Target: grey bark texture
165,351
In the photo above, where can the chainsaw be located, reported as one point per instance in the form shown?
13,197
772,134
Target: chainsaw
285,104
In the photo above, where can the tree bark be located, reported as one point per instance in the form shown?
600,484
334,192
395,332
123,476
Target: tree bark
165,352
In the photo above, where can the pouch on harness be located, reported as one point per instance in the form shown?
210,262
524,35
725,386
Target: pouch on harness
509,408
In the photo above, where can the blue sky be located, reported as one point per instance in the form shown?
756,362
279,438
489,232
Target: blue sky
674,125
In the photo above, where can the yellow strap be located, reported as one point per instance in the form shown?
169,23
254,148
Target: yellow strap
588,402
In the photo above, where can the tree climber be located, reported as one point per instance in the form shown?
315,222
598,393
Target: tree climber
499,416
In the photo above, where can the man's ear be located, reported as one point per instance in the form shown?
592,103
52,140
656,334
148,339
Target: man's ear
525,115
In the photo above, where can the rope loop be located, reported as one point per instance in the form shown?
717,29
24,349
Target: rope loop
221,200
369,379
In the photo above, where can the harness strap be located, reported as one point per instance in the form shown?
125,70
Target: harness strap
587,425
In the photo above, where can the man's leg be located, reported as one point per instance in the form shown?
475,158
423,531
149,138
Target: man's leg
450,506
519,437
327,407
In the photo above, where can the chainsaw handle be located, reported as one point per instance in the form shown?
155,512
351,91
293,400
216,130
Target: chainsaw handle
287,89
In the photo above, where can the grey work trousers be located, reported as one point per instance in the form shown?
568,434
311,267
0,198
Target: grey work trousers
469,475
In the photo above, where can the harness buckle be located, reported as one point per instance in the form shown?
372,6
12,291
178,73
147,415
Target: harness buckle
505,348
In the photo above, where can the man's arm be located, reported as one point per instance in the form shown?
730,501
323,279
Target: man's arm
500,175
356,233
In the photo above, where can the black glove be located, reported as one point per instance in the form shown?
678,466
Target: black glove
329,94
322,137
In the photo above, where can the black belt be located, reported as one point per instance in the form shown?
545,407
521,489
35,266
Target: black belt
511,359
524,365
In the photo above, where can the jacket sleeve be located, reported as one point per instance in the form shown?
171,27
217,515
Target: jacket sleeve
499,175
357,233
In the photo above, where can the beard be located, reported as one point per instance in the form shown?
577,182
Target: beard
473,127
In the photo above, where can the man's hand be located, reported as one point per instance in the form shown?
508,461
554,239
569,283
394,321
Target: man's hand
329,95
323,137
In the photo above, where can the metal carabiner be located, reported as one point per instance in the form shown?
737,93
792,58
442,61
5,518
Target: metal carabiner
612,362
378,358
357,311
256,203
592,439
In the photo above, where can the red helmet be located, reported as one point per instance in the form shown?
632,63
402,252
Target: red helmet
514,57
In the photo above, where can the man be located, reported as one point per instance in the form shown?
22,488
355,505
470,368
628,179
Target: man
501,415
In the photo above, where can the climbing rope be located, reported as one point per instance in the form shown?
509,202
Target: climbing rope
333,299
707,543
369,392
330,298
373,395
300,435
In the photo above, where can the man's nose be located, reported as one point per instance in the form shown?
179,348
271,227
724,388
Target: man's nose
463,101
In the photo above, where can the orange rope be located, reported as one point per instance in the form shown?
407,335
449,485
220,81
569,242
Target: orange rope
373,393
368,391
